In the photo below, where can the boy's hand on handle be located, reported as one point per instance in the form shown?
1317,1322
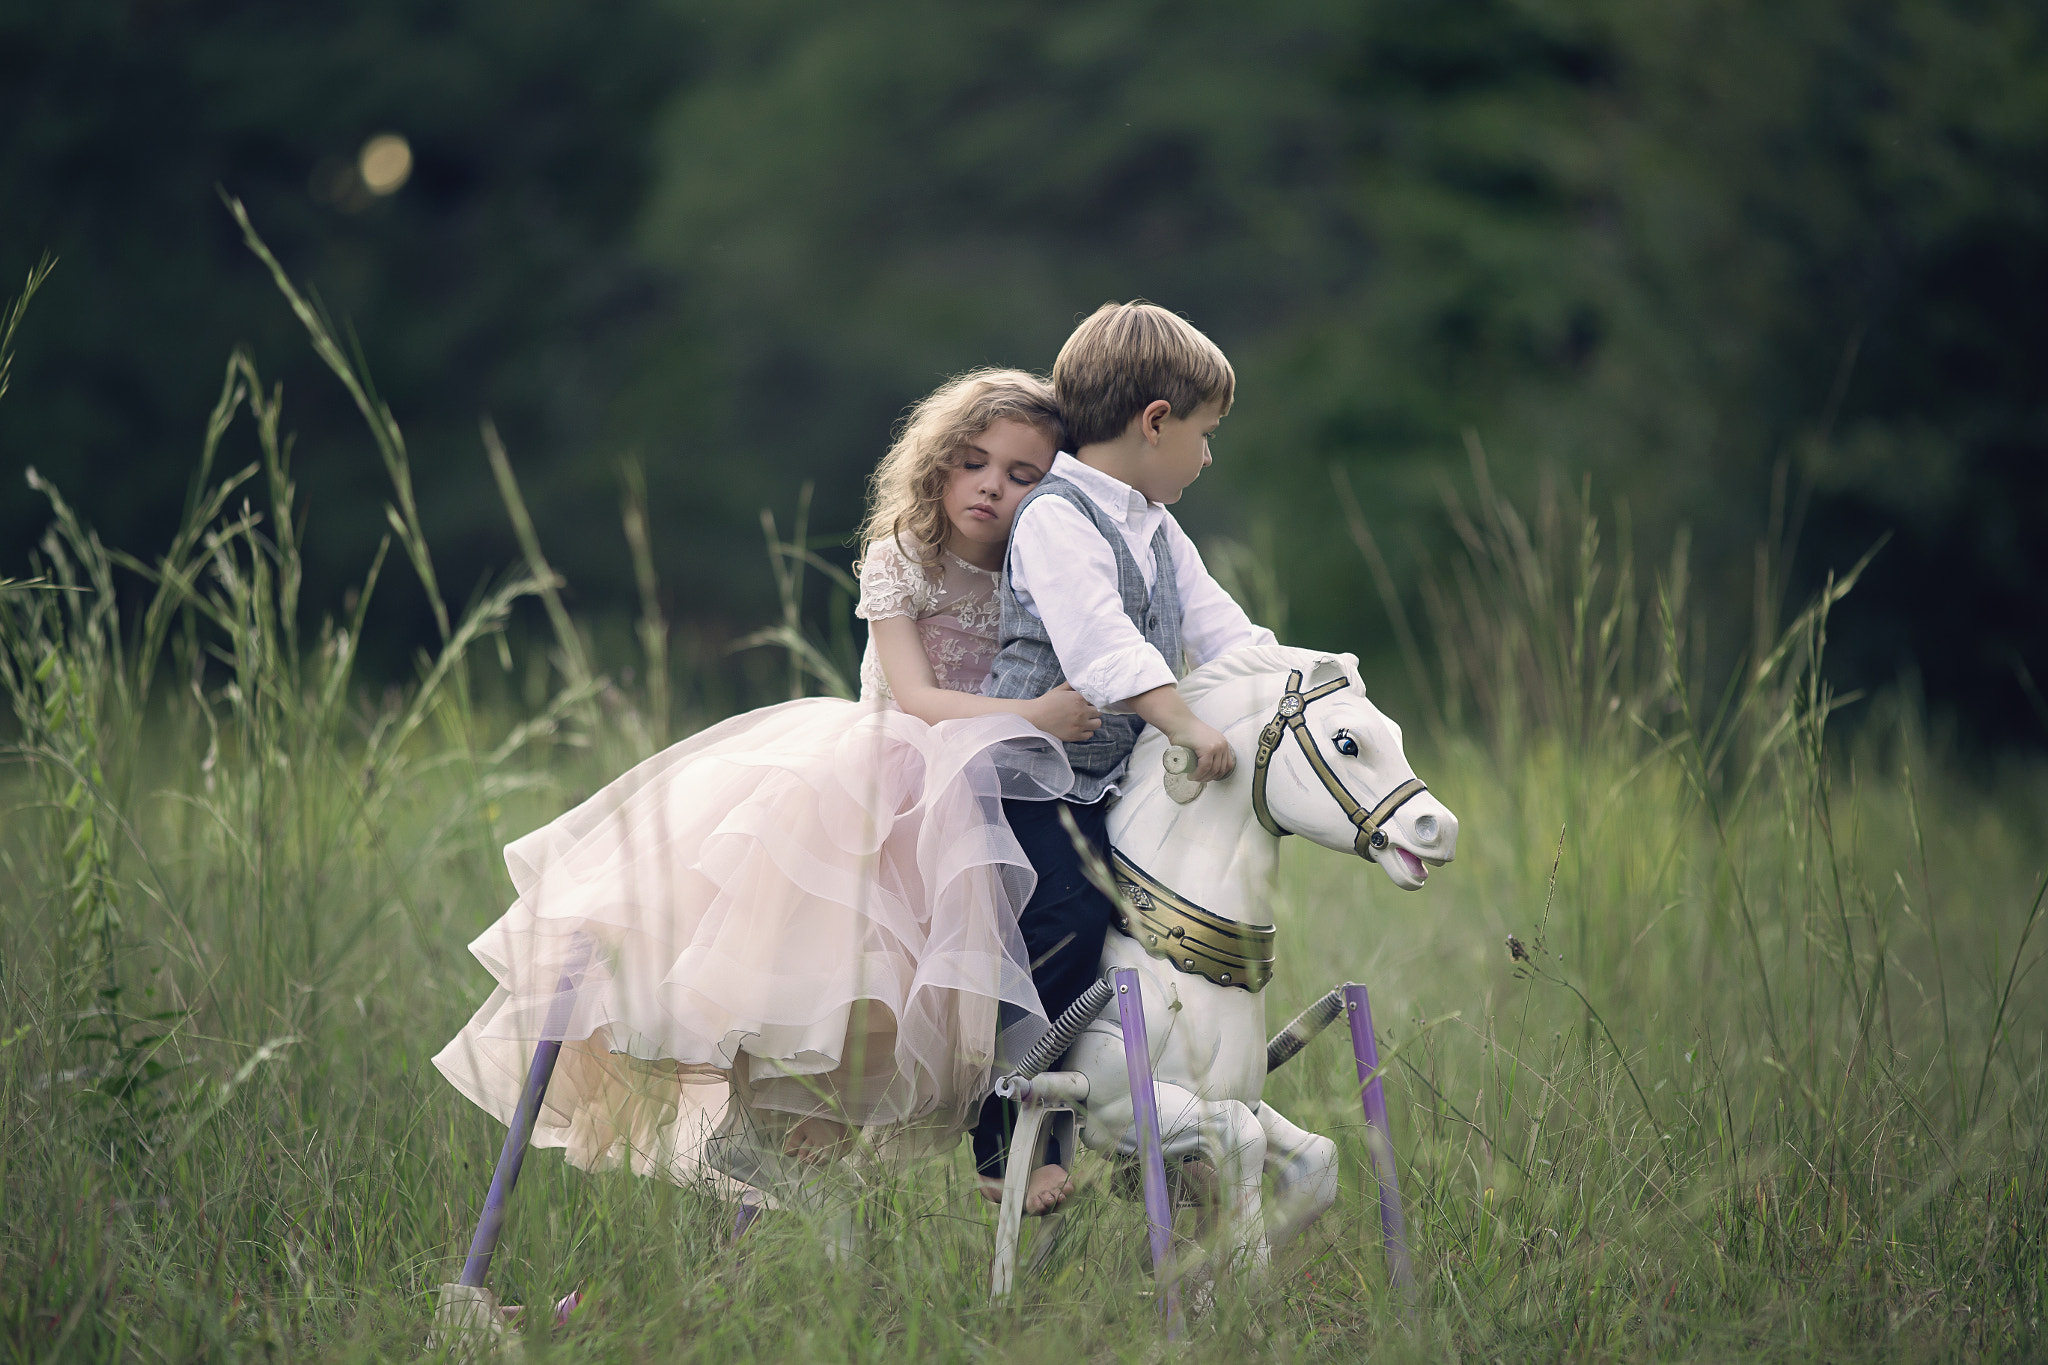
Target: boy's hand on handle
1165,712
1214,757
1066,715
1180,764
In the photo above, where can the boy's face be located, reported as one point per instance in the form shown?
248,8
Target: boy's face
1177,451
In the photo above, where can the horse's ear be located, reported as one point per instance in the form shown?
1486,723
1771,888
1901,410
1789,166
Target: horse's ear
1329,669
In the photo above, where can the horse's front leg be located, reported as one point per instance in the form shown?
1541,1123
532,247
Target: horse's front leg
1222,1132
1304,1170
1228,1135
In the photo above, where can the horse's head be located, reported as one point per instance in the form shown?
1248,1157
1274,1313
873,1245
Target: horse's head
1328,765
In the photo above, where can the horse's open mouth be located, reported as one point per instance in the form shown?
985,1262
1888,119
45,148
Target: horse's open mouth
1410,864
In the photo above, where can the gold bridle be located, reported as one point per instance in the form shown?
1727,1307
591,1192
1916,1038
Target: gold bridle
1292,714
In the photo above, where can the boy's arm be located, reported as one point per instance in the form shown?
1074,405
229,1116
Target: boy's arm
1065,573
1211,625
1058,556
1211,622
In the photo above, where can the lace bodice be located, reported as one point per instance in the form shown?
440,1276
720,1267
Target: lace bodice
956,608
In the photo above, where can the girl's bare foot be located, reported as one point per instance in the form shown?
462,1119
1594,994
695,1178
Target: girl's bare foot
1048,1190
815,1141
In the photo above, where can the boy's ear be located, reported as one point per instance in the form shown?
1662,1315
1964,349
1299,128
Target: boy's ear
1152,421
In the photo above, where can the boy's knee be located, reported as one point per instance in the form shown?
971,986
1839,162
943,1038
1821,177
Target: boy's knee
1078,919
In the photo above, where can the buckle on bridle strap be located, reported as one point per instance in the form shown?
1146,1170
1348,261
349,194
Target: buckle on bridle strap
1292,714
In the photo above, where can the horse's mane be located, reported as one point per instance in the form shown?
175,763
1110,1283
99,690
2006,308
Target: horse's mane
1258,660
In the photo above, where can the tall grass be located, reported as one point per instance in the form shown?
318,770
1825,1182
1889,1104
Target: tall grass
1723,1086
1759,1071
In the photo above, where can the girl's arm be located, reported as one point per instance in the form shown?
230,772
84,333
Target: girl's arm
1062,713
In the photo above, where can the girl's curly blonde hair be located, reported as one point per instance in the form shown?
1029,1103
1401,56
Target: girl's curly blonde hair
905,496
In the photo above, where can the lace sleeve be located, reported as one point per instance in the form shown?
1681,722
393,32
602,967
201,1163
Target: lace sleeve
891,585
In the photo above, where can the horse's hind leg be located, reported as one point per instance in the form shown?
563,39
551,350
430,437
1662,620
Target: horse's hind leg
1304,1170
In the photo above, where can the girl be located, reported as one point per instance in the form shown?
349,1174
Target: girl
806,917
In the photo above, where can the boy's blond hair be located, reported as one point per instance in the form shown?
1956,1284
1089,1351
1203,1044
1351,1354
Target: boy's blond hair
906,495
1126,355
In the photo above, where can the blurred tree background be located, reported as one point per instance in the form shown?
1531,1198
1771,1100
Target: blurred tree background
1765,270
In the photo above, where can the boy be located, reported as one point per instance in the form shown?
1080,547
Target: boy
1105,592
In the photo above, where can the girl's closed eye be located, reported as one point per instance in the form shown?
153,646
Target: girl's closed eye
986,483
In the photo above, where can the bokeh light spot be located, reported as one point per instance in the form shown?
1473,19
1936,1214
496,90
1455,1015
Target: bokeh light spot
385,163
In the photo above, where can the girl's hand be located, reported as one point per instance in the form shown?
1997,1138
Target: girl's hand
1065,714
1214,757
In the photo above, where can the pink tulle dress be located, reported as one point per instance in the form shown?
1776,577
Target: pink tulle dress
808,909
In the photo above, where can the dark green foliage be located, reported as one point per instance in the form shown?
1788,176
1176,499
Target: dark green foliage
1681,246
497,280
1673,245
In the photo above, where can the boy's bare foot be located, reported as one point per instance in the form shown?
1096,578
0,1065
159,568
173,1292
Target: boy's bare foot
1048,1190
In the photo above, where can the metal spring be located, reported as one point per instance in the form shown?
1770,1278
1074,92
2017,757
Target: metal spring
1303,1030
1060,1037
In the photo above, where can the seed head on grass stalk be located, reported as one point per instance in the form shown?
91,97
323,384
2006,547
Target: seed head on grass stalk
1529,965
384,429
575,663
651,629
10,322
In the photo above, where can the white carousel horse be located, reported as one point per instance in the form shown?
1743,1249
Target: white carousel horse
1196,866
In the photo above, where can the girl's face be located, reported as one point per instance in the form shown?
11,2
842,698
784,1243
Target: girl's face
996,469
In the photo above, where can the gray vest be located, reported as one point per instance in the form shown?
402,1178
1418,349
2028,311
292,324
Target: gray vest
1027,667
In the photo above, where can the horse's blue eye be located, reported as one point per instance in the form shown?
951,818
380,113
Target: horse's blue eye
1346,745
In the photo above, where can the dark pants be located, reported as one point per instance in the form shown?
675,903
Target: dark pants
1063,925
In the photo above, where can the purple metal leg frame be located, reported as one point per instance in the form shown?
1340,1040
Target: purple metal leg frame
513,1155
1130,1011
1379,1139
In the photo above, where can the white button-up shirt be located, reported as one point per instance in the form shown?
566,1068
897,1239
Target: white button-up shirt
1064,573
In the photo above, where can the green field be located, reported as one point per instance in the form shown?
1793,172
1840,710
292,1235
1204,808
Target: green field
1766,1081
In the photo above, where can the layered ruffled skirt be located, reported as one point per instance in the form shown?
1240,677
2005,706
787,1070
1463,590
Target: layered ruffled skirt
809,909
